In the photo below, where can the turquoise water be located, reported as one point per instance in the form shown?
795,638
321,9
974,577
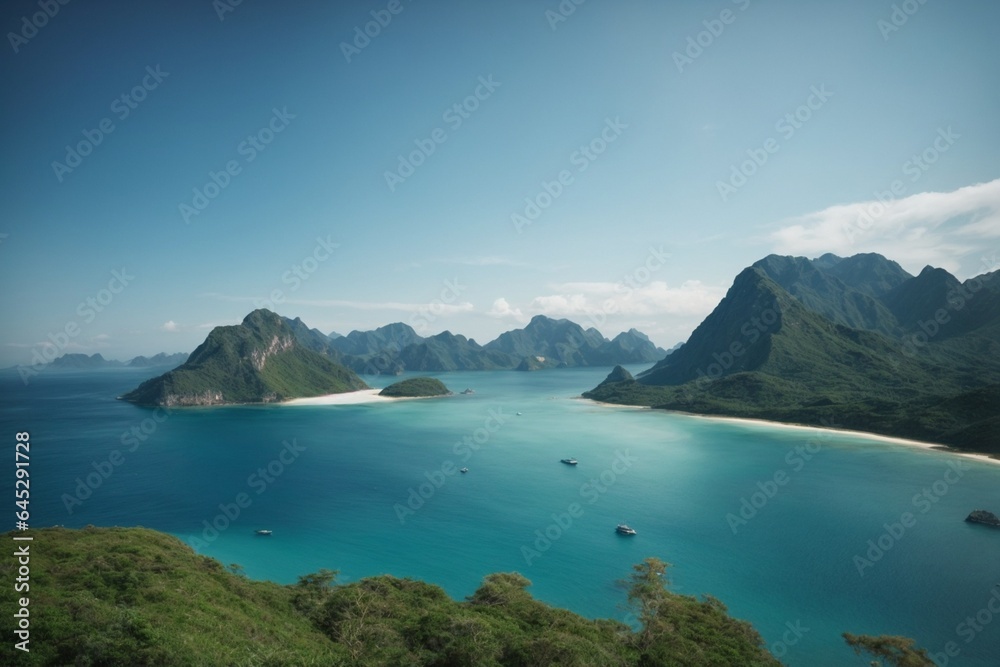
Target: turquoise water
333,501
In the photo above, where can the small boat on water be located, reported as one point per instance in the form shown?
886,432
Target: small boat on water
464,470
263,532
622,529
569,462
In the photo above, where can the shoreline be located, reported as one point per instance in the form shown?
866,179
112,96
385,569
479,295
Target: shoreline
359,397
889,439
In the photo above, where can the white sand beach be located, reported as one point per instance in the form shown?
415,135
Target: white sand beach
346,398
827,432
353,398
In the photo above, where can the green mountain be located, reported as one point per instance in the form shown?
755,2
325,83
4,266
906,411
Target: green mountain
161,359
132,596
82,361
391,337
921,368
450,352
258,361
543,343
548,343
559,342
77,361
846,291
416,388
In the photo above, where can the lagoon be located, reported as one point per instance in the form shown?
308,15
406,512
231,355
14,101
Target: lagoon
805,533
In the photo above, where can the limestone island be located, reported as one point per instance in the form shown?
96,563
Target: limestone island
258,361
984,517
422,387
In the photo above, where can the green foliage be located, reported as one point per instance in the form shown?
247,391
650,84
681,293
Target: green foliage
681,630
416,387
115,596
889,651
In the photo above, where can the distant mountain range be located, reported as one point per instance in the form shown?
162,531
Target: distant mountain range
851,342
83,361
543,343
271,358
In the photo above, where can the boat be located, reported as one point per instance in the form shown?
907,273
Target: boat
569,462
468,391
263,532
518,414
464,470
622,529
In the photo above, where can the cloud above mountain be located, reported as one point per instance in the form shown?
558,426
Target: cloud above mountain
957,230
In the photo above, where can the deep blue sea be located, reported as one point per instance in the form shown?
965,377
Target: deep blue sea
332,483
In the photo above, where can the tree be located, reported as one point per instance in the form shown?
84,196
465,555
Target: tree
647,594
889,650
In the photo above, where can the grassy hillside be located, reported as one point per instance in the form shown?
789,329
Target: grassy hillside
131,596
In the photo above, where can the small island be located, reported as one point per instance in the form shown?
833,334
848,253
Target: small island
422,387
984,517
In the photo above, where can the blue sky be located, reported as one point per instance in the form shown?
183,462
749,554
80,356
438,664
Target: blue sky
824,105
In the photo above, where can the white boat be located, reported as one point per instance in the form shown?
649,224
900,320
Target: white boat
464,470
622,529
263,532
569,462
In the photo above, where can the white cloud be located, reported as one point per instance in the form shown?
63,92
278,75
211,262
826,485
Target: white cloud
436,307
944,229
170,325
654,299
502,309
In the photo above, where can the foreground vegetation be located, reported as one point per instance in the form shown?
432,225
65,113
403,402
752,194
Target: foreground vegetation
137,597
131,596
